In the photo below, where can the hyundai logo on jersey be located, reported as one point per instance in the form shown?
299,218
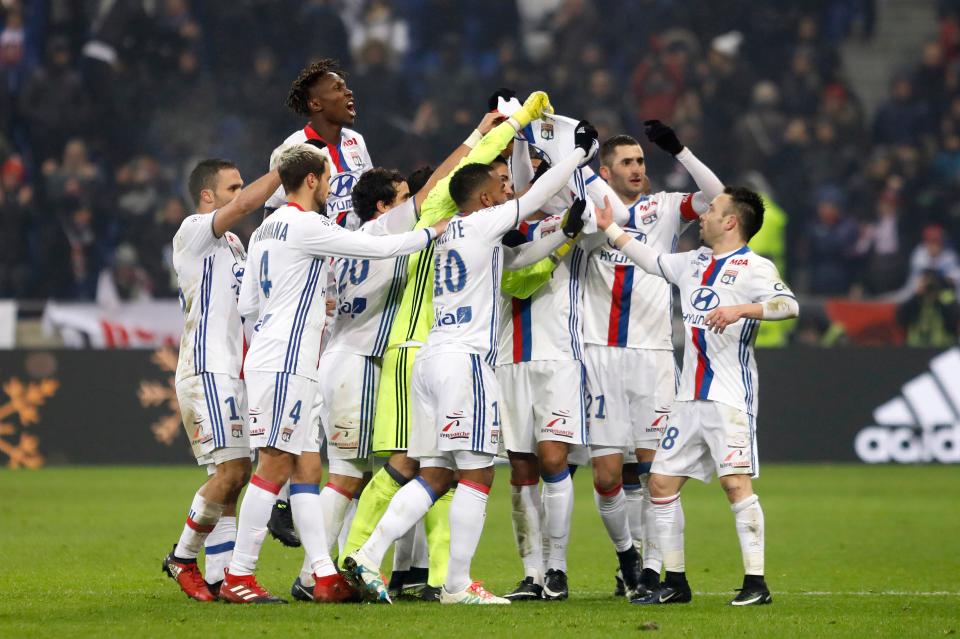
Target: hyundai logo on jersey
342,184
704,299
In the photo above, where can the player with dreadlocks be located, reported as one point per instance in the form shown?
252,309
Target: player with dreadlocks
321,95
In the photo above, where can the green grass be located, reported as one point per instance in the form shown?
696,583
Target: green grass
80,552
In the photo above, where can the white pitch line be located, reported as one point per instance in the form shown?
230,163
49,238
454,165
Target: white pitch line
821,593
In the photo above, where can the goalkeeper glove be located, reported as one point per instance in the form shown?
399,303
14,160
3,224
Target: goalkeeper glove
663,136
536,105
573,223
586,137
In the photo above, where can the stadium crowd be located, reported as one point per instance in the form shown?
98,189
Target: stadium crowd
106,106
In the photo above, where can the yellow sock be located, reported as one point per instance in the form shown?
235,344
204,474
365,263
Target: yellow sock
373,503
437,526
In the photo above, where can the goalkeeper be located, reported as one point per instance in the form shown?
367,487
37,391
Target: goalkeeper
408,334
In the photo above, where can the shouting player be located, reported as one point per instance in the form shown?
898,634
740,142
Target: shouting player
627,327
209,262
286,266
456,399
725,290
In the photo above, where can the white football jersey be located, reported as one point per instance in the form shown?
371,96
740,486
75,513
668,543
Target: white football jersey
720,368
368,291
350,160
548,325
284,289
468,266
209,271
623,305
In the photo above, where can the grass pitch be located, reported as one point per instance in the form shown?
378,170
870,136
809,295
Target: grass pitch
852,551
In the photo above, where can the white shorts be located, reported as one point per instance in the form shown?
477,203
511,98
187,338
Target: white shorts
458,460
214,411
348,388
542,401
706,437
631,391
281,411
456,404
316,436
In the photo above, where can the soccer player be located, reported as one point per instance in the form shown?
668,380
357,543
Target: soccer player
627,327
209,263
368,294
321,95
407,335
456,400
725,290
286,265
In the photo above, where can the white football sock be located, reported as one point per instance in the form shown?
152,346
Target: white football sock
634,495
669,515
613,511
557,500
252,524
201,519
467,513
526,529
652,558
407,507
403,550
284,493
218,549
749,518
308,518
334,502
347,522
421,556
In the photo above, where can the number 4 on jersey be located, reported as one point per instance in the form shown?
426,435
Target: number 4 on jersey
265,284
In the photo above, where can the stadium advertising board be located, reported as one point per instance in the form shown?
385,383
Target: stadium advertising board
870,405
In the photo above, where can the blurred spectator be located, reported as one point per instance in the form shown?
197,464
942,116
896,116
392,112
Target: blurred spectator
830,243
800,85
15,199
932,255
931,317
54,102
84,253
75,177
379,22
901,119
758,135
881,244
124,281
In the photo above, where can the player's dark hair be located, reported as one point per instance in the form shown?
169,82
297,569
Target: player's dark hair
748,207
466,181
296,163
374,186
419,178
299,97
204,176
499,160
610,145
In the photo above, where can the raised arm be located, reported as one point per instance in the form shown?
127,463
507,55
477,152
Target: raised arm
644,256
709,184
247,201
327,239
528,253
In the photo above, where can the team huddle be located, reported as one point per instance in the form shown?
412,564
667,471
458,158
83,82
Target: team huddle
511,302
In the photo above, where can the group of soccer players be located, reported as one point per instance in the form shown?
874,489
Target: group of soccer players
512,302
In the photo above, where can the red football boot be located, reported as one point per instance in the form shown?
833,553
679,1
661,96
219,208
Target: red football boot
244,589
188,577
334,589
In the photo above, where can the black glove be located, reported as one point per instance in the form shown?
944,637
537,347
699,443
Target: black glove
543,168
574,222
663,136
585,136
506,94
513,238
